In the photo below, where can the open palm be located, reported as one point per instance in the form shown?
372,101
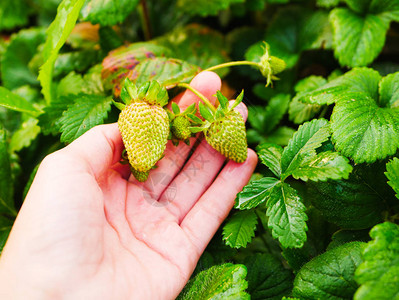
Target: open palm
88,230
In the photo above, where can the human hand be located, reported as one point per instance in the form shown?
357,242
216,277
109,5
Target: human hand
89,230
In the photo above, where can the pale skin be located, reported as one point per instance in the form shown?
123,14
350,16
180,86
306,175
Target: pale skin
88,230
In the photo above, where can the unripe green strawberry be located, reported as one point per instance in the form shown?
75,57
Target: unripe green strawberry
227,135
180,128
140,176
144,129
269,65
278,65
144,125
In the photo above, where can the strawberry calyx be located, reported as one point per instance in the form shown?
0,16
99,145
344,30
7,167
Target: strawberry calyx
151,92
220,113
268,65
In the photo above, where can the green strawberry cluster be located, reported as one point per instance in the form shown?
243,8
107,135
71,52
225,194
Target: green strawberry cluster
146,125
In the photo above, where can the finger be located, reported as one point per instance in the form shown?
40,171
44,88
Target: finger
201,223
196,176
175,157
98,149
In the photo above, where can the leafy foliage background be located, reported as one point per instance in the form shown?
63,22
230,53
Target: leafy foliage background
318,219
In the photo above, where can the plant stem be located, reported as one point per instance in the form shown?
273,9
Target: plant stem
145,20
262,232
198,94
234,63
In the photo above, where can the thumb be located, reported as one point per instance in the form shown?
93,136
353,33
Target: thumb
99,148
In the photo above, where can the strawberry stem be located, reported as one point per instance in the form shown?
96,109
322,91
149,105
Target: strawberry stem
234,63
198,94
145,19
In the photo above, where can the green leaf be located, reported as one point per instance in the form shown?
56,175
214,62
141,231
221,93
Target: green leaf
167,71
109,39
30,180
317,238
74,83
294,30
301,112
49,121
205,8
71,84
196,129
327,3
344,236
87,112
392,174
266,119
15,71
223,101
357,39
225,281
281,136
330,275
92,83
57,33
386,9
13,13
14,102
119,105
383,8
6,182
362,80
287,217
310,83
309,136
360,7
107,12
190,111
175,108
389,91
270,156
78,61
356,203
238,100
364,131
119,62
267,278
24,136
195,120
255,193
5,228
184,45
240,229
326,165
378,273
130,91
205,112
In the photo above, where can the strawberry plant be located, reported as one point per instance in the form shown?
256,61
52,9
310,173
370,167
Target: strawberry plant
319,217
